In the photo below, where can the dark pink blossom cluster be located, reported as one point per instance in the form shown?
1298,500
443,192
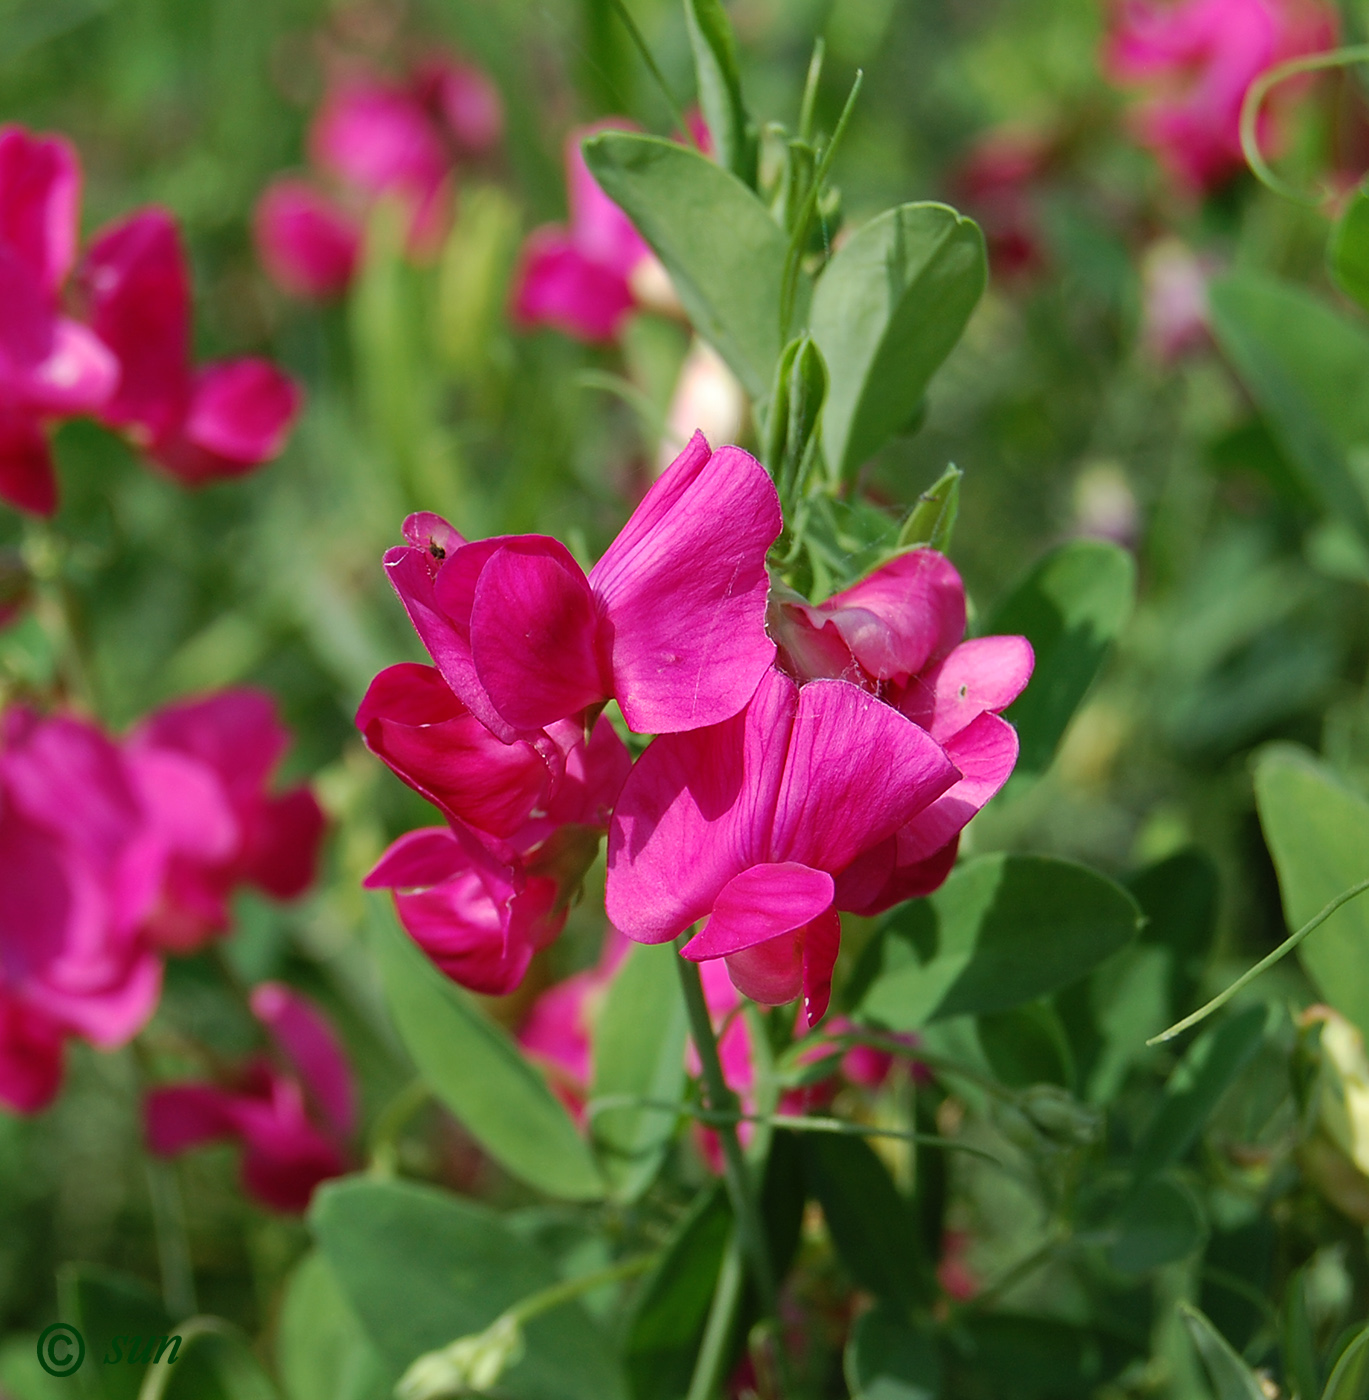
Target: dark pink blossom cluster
126,358
375,138
1194,60
113,854
807,759
293,1111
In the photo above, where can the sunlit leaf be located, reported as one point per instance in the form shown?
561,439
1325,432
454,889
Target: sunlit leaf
888,309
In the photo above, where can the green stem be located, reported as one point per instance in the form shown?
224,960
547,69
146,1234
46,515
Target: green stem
710,1366
810,89
393,1117
1284,948
1254,100
173,1244
1009,1279
736,1174
159,1376
535,1304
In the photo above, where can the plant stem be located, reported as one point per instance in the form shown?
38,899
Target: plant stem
644,49
173,1246
1244,980
736,1174
393,1117
538,1303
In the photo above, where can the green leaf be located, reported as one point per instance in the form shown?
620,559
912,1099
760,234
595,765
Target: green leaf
1231,1378
1208,1069
1158,1224
724,252
1021,1357
888,309
322,1352
1348,252
639,1049
670,1312
1317,831
871,1225
1307,367
720,88
475,1068
421,1267
1178,896
1027,1045
887,1358
931,521
1071,608
1003,930
1350,1379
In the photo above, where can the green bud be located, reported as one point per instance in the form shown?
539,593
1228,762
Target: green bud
469,1366
932,518
791,426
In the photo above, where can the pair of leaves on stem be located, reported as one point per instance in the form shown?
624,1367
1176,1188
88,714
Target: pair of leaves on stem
886,311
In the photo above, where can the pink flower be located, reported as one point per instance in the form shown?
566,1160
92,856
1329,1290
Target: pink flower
753,821
578,277
478,902
670,622
50,366
556,1032
309,245
463,101
1196,59
897,633
220,420
293,1126
79,871
203,770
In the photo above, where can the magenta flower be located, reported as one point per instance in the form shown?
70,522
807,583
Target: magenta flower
464,103
50,366
309,245
1196,59
203,771
479,920
481,903
79,871
293,1124
670,622
897,633
578,277
221,420
751,822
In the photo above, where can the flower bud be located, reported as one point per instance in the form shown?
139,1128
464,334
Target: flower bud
469,1366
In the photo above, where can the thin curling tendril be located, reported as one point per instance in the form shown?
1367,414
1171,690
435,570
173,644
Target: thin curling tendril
1254,100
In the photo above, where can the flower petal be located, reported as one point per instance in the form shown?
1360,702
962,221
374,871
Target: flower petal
307,243
312,1046
239,416
983,675
759,905
695,811
557,285
533,633
27,480
40,191
856,771
684,588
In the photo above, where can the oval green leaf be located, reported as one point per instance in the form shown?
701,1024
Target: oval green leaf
1348,252
724,252
1158,1224
322,1351
1003,930
421,1267
1071,608
888,309
475,1068
1231,1378
1317,831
